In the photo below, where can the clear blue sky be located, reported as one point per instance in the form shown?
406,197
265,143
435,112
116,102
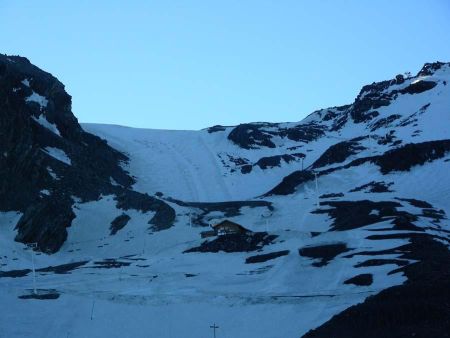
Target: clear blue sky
192,64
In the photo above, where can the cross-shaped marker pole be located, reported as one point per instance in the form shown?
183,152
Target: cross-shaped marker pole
214,327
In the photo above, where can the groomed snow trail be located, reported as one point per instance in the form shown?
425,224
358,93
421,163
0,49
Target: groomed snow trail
178,163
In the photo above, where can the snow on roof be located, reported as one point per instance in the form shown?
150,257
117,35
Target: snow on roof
228,222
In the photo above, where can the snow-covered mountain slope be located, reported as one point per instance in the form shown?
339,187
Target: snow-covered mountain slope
232,163
346,212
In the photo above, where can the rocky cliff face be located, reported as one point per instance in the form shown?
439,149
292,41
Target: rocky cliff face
46,159
364,109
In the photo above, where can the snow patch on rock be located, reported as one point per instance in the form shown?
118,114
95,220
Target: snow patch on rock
58,154
39,99
44,122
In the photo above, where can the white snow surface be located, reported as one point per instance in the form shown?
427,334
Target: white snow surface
164,292
39,99
42,120
58,154
26,82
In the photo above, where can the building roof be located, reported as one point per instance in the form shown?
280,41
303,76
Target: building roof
228,222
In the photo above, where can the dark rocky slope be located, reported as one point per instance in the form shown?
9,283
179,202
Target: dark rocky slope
47,160
245,242
257,135
418,308
402,158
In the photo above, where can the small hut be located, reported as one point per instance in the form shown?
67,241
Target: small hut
227,227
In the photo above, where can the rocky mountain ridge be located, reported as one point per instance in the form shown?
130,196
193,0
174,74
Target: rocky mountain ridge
346,216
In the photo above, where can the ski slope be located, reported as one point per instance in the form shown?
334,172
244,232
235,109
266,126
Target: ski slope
141,282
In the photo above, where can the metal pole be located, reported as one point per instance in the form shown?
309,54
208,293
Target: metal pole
92,310
190,219
317,189
32,246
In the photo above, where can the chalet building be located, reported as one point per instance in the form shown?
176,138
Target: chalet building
225,227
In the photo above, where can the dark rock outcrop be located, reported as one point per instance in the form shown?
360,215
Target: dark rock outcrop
164,213
109,263
418,87
332,195
269,162
249,136
325,253
409,155
349,215
246,168
45,223
338,153
430,68
275,161
384,122
164,217
216,128
398,159
245,242
265,257
399,79
63,268
25,166
370,98
381,261
47,159
291,182
118,223
374,187
375,95
41,294
364,279
416,203
303,132
417,308
257,135
14,273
